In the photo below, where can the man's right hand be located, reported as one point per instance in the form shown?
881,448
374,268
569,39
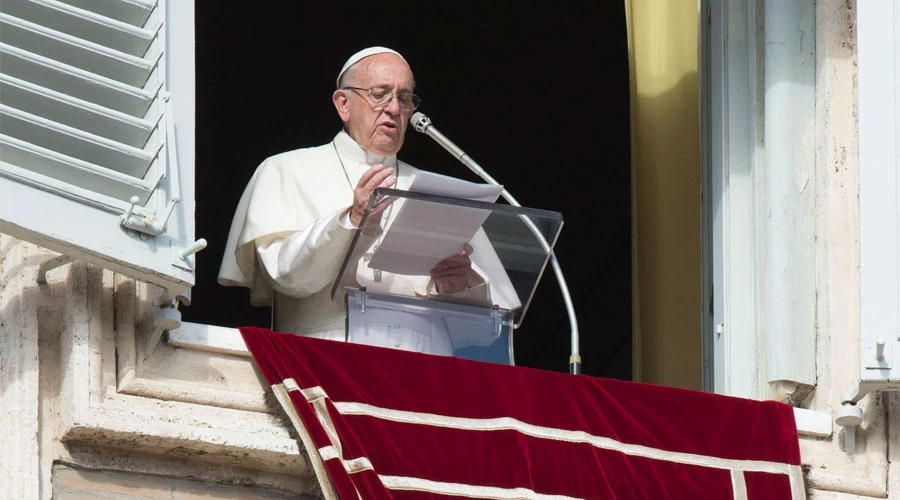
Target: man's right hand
375,177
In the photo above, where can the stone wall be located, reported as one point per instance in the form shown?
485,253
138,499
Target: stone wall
86,385
868,471
79,484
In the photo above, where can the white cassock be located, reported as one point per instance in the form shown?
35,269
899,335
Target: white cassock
290,234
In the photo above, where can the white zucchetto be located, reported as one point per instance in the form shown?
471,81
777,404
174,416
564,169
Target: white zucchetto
362,54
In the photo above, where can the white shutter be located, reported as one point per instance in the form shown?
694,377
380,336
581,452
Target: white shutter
878,49
759,209
90,161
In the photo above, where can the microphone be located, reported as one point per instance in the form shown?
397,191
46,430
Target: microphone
423,125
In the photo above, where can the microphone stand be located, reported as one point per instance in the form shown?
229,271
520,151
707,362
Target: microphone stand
423,124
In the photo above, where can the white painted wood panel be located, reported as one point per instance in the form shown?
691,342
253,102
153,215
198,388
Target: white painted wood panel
879,196
88,124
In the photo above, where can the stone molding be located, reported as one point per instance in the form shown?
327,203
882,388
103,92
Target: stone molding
81,387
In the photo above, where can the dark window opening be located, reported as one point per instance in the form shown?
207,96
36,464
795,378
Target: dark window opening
539,97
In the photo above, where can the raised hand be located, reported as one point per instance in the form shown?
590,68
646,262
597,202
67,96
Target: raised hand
373,178
452,274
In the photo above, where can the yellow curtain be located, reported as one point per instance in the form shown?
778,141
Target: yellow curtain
665,138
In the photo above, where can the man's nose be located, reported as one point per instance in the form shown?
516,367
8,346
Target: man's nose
393,105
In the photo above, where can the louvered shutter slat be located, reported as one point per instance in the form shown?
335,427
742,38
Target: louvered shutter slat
87,99
77,113
51,36
82,24
76,52
134,12
76,143
71,170
72,81
13,176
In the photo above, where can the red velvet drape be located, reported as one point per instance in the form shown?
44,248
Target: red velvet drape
409,425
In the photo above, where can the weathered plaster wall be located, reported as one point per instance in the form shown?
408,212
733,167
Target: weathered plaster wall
79,484
833,473
19,433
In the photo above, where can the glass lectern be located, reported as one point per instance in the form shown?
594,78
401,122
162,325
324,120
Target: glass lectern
385,279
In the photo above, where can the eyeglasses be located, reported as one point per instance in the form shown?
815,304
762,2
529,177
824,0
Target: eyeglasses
379,98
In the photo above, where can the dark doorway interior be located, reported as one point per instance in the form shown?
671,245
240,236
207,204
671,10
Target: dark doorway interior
538,96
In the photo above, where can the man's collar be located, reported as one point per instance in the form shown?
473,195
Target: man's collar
351,150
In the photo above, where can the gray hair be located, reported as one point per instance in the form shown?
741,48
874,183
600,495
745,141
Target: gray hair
350,74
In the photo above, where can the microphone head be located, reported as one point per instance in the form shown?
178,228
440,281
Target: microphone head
419,121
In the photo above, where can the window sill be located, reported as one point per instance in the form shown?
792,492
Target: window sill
220,339
813,423
209,338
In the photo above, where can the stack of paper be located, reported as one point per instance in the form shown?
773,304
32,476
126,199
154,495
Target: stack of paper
425,233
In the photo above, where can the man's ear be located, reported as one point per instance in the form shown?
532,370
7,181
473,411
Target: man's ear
340,104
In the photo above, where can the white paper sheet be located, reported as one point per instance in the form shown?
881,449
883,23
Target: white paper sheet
444,185
425,233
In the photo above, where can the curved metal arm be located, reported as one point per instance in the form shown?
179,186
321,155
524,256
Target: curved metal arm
575,354
422,124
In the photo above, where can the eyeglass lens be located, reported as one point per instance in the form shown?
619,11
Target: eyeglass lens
381,97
